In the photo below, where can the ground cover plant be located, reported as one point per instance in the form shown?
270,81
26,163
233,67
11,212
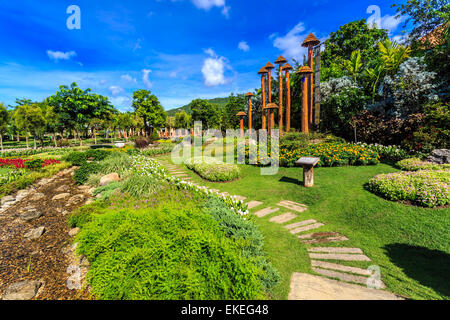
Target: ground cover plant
415,164
214,170
428,188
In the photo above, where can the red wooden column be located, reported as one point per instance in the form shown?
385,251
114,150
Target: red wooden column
280,61
249,95
242,115
310,42
263,73
305,71
287,67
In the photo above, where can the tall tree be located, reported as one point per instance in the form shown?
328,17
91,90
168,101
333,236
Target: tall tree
206,112
350,37
181,120
76,107
234,105
148,107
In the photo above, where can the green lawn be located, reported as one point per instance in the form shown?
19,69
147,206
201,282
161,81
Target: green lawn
411,245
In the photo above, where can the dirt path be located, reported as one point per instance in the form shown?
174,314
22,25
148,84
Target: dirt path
27,254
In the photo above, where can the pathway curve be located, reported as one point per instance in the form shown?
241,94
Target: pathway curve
334,280
36,255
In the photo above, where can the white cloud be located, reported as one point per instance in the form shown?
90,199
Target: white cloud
128,78
59,55
291,43
116,90
244,46
122,102
145,79
213,69
208,4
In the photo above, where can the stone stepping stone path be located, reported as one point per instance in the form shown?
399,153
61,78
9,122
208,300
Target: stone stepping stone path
340,267
240,198
303,226
322,237
339,256
254,204
266,211
311,287
283,218
291,205
336,250
344,276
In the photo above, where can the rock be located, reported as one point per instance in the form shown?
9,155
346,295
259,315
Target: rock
74,232
43,182
89,201
30,215
84,188
75,200
105,180
38,196
22,194
439,156
91,191
24,290
34,233
61,196
63,188
8,199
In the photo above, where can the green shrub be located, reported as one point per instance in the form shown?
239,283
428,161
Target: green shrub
76,158
97,154
165,253
118,162
162,148
141,185
415,164
82,174
387,153
214,170
246,231
85,214
34,164
426,188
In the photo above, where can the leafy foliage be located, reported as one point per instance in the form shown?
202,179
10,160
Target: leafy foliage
214,170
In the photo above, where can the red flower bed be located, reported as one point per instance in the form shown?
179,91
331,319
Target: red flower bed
21,163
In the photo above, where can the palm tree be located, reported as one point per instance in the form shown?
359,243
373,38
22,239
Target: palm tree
354,65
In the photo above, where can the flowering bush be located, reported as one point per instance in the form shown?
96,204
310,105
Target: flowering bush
415,164
22,164
331,155
386,153
146,166
213,169
425,188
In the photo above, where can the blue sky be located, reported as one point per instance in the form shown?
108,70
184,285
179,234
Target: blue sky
178,49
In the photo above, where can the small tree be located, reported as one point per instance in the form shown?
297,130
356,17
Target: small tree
4,118
148,107
181,120
29,119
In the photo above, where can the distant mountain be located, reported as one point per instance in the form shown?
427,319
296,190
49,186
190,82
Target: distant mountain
217,101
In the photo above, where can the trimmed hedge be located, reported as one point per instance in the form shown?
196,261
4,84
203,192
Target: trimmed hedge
213,170
415,164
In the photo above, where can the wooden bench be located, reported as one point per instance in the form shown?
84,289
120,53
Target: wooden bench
308,164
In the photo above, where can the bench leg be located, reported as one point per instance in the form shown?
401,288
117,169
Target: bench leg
308,176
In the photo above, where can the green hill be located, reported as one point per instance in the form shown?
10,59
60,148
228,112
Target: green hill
217,101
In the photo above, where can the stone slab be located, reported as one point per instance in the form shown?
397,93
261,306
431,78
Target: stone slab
307,228
240,198
340,267
266,211
253,204
291,205
339,256
283,218
318,235
325,240
34,233
335,250
345,276
310,287
299,224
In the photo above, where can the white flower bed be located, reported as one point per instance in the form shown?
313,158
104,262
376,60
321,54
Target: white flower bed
147,166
